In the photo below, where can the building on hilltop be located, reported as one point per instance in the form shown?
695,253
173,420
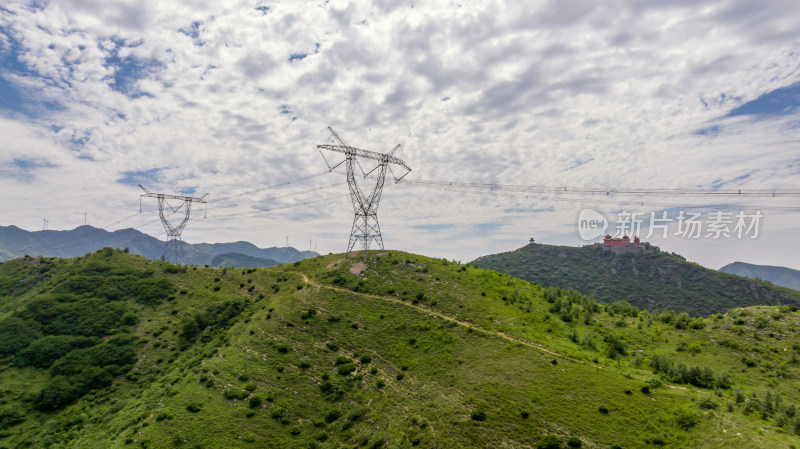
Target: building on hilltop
623,243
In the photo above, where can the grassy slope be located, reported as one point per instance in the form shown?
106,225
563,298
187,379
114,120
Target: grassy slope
459,353
649,279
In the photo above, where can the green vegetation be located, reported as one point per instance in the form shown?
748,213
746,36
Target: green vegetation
650,279
413,352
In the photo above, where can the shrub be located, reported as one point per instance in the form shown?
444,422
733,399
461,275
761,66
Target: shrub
708,404
58,393
549,442
347,368
341,360
193,407
701,377
10,418
400,376
46,350
129,318
602,409
686,420
255,401
380,383
357,413
479,415
365,359
616,347
574,442
277,413
332,416
236,394
16,334
304,362
189,330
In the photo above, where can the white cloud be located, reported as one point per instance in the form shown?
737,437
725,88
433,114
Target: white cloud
546,93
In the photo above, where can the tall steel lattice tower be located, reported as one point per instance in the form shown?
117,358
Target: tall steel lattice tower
366,228
172,245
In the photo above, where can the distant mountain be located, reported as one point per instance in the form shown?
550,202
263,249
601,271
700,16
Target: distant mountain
16,242
782,276
649,279
238,260
282,255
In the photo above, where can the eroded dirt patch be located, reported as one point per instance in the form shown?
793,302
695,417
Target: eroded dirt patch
334,264
358,268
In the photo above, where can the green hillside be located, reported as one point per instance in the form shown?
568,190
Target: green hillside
650,279
234,260
114,350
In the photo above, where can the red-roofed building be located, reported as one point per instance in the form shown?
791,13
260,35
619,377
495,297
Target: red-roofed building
622,243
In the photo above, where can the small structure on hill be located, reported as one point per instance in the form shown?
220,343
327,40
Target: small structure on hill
623,243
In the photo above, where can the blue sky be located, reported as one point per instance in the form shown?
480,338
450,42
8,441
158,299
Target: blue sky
232,97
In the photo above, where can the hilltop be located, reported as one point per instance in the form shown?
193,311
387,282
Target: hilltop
650,279
115,350
16,242
782,276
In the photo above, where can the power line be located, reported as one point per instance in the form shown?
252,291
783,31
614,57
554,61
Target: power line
607,191
258,211
276,197
274,186
599,199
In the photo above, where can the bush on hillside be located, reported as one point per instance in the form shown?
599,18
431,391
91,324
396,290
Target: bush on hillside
549,442
46,350
16,334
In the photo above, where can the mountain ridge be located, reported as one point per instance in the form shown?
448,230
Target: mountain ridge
783,276
16,242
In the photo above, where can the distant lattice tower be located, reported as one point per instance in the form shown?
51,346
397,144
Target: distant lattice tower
366,228
172,245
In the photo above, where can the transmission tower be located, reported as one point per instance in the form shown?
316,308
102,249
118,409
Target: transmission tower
366,228
172,245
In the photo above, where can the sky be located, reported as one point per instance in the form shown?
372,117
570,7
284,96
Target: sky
231,98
